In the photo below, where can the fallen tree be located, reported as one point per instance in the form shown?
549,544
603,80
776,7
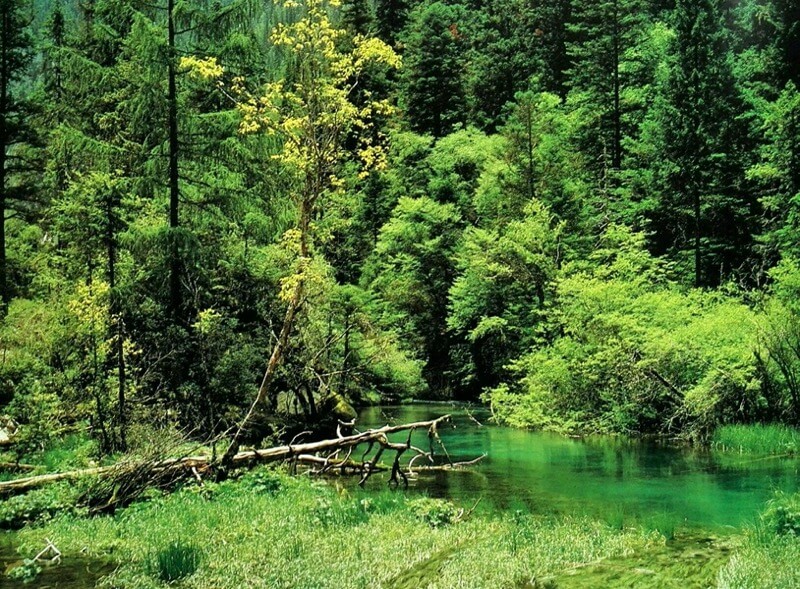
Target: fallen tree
324,456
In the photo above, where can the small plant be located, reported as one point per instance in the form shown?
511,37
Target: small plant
435,512
40,504
26,572
663,524
615,518
782,515
335,513
263,481
175,562
520,530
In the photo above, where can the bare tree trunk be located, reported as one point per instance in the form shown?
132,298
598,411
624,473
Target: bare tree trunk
276,357
188,464
174,221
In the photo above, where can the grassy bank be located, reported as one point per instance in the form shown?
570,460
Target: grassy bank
271,531
764,439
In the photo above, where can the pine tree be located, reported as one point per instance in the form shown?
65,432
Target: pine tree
703,208
432,86
392,17
358,17
788,39
602,35
15,56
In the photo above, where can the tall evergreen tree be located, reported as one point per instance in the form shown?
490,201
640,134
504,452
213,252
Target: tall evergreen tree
602,37
15,56
703,208
432,88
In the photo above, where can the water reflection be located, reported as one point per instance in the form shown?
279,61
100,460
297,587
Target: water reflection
552,473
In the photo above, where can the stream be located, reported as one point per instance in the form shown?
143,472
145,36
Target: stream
602,476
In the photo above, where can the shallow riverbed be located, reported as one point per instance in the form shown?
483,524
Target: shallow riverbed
612,478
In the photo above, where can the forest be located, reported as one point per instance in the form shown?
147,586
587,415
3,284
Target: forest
228,224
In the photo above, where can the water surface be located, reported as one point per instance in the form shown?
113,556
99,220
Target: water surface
605,476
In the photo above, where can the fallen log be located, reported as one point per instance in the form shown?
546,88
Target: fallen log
331,466
194,465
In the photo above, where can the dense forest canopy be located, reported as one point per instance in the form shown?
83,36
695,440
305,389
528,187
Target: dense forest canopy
584,213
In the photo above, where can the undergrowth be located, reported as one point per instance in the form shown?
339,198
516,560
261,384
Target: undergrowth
268,530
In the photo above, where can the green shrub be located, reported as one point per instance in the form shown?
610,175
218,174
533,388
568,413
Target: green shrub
37,505
782,515
633,352
434,512
263,480
26,572
339,512
175,562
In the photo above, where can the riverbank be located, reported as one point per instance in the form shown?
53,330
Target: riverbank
541,511
269,530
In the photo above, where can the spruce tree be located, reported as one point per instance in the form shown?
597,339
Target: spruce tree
602,35
15,56
703,208
432,86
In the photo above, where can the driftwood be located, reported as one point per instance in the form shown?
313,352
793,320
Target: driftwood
324,454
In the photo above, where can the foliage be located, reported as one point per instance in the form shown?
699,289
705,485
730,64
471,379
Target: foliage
434,512
634,354
37,505
782,515
771,545
445,198
26,572
279,540
433,89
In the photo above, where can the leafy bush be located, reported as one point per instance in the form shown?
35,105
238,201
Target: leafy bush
26,572
633,353
782,515
175,562
340,512
263,481
434,512
37,505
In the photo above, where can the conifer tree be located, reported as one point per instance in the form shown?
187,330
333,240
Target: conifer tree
703,208
602,35
433,87
15,56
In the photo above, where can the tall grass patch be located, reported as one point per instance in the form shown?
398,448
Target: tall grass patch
174,562
765,439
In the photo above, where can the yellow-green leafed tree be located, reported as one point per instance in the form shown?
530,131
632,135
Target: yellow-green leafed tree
311,114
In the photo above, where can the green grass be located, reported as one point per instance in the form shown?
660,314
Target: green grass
175,562
303,534
268,530
769,439
768,559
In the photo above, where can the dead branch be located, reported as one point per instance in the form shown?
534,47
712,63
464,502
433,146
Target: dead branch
172,469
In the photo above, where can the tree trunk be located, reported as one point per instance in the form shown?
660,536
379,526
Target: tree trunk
186,464
276,357
5,76
172,100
